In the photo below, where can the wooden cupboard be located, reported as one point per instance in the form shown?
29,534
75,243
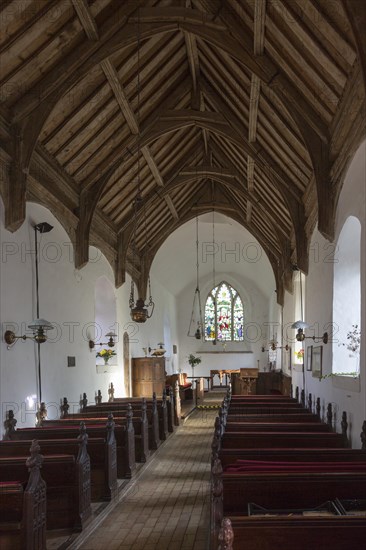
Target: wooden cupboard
148,376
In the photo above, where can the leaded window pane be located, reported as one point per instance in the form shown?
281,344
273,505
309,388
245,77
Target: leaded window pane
224,314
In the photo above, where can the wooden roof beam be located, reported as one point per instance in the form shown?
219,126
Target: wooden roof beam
122,100
129,115
171,207
250,174
193,60
249,212
259,26
356,13
152,165
86,19
255,87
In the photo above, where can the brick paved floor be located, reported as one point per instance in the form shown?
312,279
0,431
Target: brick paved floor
168,505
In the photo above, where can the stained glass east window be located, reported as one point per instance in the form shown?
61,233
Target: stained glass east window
224,314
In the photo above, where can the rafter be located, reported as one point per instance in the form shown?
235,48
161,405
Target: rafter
253,111
171,207
119,93
86,19
250,173
259,26
249,212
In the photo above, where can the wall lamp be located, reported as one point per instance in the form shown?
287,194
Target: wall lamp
111,343
300,335
273,347
39,328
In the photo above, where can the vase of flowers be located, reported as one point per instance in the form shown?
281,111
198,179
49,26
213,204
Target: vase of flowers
300,355
106,354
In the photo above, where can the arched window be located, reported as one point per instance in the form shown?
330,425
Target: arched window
347,299
224,314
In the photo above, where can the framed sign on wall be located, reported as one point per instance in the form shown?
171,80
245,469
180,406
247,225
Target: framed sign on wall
317,361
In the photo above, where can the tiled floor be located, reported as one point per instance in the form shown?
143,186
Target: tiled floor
167,505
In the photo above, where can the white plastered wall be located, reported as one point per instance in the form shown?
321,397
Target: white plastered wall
345,394
67,299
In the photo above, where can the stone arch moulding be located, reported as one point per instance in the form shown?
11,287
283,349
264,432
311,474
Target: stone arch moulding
189,216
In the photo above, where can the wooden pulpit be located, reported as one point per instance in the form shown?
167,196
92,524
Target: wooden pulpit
247,381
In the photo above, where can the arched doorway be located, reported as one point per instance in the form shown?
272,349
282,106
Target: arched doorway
126,364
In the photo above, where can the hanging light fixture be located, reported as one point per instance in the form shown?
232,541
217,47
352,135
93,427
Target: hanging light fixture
139,311
196,307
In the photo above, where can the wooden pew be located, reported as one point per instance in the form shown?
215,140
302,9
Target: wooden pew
67,488
239,399
291,417
278,427
154,404
140,425
23,511
276,440
230,456
269,409
122,408
166,420
232,492
289,532
124,436
101,452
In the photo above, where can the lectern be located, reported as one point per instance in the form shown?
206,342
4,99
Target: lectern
247,381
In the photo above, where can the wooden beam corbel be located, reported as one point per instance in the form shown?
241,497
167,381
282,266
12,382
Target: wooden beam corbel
123,240
16,187
146,262
319,152
302,248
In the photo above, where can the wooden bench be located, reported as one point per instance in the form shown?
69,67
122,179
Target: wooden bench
275,440
140,425
292,532
302,416
278,427
124,436
162,410
269,409
231,456
67,487
232,492
101,452
239,399
280,470
122,408
167,401
23,510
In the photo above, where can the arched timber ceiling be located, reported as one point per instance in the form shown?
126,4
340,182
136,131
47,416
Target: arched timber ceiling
248,107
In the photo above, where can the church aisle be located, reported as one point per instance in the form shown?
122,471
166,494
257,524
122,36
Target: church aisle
168,505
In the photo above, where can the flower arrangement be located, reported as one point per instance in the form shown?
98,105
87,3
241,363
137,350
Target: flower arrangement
193,361
300,354
354,341
106,354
